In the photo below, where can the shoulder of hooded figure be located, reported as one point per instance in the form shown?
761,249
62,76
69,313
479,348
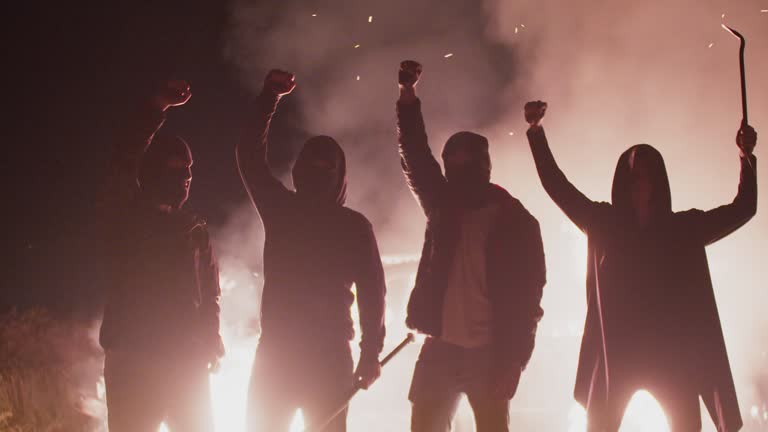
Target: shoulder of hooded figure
355,219
687,217
511,206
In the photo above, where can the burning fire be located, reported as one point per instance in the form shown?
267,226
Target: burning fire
643,414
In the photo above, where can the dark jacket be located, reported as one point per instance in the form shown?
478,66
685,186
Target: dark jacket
649,292
313,253
515,256
161,274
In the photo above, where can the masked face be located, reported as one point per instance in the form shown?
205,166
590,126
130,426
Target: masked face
467,165
319,173
641,186
316,177
464,169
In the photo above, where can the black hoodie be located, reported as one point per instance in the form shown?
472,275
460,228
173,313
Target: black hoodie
649,293
314,248
516,271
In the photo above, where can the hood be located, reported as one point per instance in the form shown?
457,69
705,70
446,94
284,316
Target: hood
621,194
316,184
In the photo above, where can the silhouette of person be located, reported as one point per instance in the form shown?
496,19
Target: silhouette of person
652,320
160,331
315,249
480,279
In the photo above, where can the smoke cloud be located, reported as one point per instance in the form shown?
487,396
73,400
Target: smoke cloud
614,73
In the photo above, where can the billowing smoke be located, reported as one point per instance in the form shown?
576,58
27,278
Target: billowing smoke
615,74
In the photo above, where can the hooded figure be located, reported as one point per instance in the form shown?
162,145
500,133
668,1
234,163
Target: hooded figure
652,322
160,330
315,249
480,279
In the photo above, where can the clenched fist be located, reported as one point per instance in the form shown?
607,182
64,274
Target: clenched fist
746,139
534,112
173,93
279,82
410,72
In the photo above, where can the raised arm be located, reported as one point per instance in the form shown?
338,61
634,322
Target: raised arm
710,226
580,209
265,190
371,292
422,172
121,184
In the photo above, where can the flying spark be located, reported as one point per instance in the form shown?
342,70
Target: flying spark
711,45
358,77
511,133
370,18
314,15
448,55
764,10
722,16
357,46
516,30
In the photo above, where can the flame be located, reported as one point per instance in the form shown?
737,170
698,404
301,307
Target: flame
297,424
643,414
229,387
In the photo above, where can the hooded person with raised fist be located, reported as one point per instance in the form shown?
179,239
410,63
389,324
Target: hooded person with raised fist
652,320
315,249
480,279
160,331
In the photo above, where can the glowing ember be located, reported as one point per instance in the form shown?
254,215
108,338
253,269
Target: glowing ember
711,45
448,55
764,10
357,46
516,30
722,16
358,77
314,15
511,133
370,18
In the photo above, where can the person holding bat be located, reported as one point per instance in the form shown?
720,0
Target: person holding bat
652,320
160,330
315,249
480,279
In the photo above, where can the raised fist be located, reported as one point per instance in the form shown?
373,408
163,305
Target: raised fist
746,139
534,112
410,72
173,93
279,82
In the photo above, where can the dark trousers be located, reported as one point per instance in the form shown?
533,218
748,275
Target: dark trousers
445,371
287,376
679,403
144,390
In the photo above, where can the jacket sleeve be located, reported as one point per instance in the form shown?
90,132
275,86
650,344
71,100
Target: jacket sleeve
579,209
523,301
422,172
371,293
711,226
121,184
210,293
266,191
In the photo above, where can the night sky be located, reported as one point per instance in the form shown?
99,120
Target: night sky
74,73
